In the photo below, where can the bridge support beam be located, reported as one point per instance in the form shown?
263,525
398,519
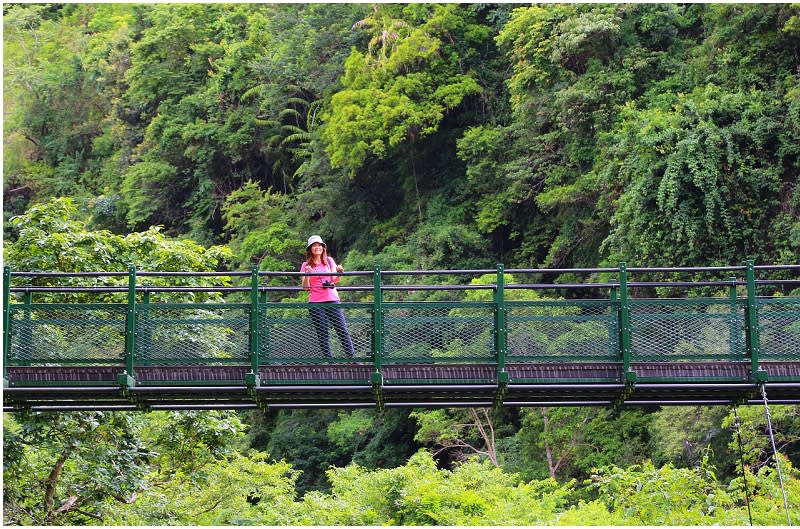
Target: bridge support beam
251,378
501,337
629,377
6,321
757,375
377,338
126,379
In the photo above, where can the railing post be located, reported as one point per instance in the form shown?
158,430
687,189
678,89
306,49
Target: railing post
263,337
733,335
625,324
251,378
6,320
144,342
751,326
126,378
501,338
614,331
26,336
377,327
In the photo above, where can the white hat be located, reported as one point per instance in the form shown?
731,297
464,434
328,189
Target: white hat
313,239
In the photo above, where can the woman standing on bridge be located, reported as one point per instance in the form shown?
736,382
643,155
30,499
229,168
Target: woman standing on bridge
323,296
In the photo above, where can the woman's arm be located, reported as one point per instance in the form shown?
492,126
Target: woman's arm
306,279
335,268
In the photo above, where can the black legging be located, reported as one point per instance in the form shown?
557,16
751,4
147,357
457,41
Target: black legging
325,314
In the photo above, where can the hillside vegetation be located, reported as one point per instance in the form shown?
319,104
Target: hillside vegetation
419,136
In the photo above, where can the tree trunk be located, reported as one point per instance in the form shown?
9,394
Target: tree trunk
488,438
548,450
52,481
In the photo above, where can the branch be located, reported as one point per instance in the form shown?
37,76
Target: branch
129,500
67,505
479,425
214,506
489,440
493,447
31,139
458,443
90,515
548,450
489,422
17,189
440,450
572,444
70,503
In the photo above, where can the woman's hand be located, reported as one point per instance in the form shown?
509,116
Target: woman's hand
339,268
307,269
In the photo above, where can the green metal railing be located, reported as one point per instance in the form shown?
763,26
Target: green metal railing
392,322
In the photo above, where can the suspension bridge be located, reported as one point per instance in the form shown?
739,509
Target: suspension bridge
149,340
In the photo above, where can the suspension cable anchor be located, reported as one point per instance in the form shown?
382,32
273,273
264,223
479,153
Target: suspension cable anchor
760,376
125,381
252,380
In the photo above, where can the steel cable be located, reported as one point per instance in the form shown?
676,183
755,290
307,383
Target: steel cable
775,453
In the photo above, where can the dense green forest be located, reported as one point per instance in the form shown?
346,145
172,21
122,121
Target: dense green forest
432,136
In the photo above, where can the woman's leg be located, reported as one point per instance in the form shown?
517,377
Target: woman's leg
320,319
336,316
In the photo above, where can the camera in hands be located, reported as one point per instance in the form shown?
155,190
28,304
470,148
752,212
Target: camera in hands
328,284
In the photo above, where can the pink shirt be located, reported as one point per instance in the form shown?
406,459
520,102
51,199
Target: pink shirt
319,294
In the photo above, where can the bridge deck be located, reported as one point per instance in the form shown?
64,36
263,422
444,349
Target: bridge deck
414,385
